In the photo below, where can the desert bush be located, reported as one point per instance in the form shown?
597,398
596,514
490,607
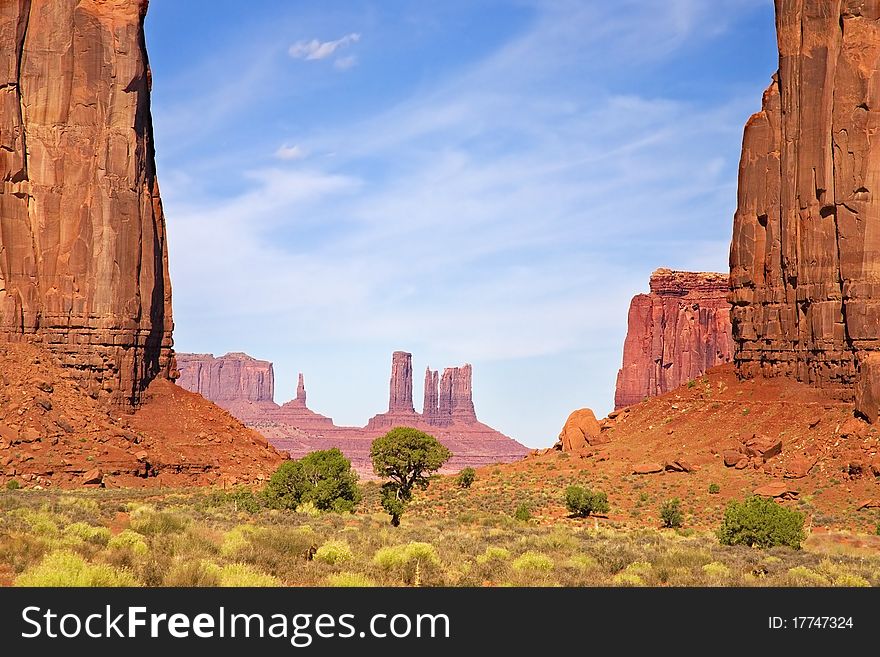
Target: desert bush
522,513
65,568
85,533
624,578
803,576
716,570
193,573
241,574
334,552
581,501
761,522
670,513
323,478
493,554
714,489
149,522
534,562
241,498
12,484
349,580
399,555
850,580
128,540
466,477
583,562
236,539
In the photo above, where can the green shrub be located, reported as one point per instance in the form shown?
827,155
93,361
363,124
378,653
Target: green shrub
349,580
244,499
466,477
533,562
130,541
714,489
12,484
401,555
240,574
83,532
493,555
716,570
148,522
761,522
193,573
583,562
670,513
323,478
581,501
334,552
64,568
803,576
849,579
523,513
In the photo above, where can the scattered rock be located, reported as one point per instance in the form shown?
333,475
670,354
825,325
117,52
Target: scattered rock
742,464
46,387
93,477
763,446
679,465
647,468
731,457
799,467
853,428
778,489
868,504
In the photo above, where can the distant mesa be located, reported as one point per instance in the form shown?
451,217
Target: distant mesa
245,386
674,334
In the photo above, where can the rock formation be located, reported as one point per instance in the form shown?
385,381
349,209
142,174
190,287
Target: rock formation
400,399
448,414
431,405
581,430
805,276
301,390
83,255
674,334
235,376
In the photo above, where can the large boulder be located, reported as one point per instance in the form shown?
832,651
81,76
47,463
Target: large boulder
581,429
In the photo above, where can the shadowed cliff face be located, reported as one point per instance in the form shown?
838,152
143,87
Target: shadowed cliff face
83,255
674,334
805,271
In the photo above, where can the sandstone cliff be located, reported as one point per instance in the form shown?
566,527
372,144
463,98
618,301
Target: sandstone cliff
231,377
83,254
674,334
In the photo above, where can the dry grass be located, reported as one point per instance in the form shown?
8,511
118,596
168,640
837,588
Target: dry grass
192,538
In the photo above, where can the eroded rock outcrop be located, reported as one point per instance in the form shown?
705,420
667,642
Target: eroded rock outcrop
805,275
674,334
235,376
83,255
448,414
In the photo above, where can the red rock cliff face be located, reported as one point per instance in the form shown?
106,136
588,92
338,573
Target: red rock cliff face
235,376
83,256
674,334
805,272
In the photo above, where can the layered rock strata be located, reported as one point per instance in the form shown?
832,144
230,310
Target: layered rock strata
674,334
83,253
805,275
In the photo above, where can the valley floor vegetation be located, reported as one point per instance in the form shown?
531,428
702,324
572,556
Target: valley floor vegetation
216,538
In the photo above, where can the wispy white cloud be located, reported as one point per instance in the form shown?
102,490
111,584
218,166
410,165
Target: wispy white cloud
316,50
294,152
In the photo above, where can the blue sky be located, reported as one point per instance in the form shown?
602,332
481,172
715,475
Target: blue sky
479,181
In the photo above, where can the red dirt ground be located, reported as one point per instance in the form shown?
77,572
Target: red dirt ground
696,423
53,434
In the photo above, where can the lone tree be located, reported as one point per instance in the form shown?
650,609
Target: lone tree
405,456
324,478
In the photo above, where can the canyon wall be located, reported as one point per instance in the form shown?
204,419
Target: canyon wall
805,272
674,334
83,254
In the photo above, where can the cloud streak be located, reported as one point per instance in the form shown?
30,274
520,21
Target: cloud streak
315,50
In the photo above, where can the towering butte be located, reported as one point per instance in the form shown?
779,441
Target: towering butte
83,254
448,414
675,333
85,296
805,273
